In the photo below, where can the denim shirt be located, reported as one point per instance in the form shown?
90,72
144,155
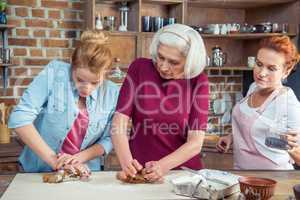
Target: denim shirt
50,104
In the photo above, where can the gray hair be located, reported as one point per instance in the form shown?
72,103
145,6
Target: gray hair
187,41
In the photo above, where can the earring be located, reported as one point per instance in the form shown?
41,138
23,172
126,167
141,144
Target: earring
284,80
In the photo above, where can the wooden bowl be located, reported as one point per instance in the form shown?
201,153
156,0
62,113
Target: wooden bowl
257,188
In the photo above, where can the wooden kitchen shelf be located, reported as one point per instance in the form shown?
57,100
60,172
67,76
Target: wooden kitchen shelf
6,26
246,36
113,1
236,68
122,33
238,47
7,65
163,2
241,36
237,4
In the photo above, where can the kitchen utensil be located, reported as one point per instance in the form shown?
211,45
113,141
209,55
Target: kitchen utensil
275,28
109,23
116,72
255,188
98,21
208,61
235,27
263,28
2,111
285,28
268,26
7,114
171,20
6,54
123,16
146,23
4,134
158,23
219,106
228,101
223,30
251,61
3,18
276,137
244,28
277,143
4,130
219,58
213,28
226,117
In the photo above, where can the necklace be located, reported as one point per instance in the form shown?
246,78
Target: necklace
251,100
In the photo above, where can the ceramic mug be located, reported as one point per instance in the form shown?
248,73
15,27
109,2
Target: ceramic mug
251,61
235,27
224,29
214,28
219,106
146,23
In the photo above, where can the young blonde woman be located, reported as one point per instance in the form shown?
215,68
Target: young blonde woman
64,117
167,99
269,109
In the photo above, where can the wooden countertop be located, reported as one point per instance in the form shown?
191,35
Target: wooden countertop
285,181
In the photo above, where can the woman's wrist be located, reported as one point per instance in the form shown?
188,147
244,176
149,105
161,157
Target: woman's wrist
125,160
52,161
81,157
229,136
165,166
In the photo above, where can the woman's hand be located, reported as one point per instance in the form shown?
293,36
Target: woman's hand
224,143
294,147
295,154
131,167
292,139
155,171
83,169
67,159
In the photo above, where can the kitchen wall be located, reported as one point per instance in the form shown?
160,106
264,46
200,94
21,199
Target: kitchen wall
47,30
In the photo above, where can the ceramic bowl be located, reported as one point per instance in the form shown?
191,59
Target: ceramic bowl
255,188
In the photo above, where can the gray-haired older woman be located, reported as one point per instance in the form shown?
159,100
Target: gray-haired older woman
167,99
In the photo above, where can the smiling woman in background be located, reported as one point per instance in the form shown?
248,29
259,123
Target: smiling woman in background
269,109
64,116
167,99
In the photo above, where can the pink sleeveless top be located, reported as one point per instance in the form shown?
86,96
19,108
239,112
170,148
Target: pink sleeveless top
73,141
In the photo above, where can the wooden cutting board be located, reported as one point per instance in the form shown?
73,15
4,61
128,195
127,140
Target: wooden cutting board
102,185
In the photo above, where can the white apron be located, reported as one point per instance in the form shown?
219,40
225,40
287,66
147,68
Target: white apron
248,153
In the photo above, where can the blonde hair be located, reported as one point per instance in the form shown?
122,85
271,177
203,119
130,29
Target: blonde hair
92,52
187,41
